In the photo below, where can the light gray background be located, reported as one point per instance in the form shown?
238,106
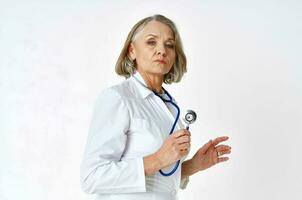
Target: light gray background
244,80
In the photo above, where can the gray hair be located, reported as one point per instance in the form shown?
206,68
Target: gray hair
125,66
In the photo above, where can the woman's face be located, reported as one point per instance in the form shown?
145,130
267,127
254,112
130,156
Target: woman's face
154,49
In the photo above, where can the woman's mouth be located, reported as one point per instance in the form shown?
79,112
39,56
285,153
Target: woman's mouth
161,61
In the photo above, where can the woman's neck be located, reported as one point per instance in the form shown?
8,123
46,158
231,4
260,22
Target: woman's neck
154,82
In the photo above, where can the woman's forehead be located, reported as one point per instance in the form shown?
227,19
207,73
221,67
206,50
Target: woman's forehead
157,29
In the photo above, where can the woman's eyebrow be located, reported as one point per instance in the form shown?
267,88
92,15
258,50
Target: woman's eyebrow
157,36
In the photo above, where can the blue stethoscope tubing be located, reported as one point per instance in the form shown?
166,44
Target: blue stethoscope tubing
172,129
174,124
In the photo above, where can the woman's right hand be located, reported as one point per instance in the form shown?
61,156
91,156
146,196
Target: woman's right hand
174,148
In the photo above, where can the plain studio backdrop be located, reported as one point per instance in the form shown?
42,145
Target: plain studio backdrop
244,81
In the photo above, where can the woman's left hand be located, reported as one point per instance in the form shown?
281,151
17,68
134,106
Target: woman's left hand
209,154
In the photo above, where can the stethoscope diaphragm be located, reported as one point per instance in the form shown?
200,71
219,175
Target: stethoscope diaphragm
189,118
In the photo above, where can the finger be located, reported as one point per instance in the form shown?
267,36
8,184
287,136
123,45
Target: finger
213,153
222,159
224,152
222,147
183,139
220,139
184,152
184,146
181,133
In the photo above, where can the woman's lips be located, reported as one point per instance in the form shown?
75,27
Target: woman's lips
161,61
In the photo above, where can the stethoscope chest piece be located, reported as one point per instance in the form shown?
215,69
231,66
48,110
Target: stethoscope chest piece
189,118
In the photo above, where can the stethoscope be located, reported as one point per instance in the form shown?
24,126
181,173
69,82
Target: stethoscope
189,118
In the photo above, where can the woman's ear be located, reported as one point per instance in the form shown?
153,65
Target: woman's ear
131,51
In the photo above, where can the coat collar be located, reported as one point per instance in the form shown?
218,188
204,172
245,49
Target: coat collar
143,90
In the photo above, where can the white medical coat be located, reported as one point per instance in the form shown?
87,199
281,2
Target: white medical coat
128,123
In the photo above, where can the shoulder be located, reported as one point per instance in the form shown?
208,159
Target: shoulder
123,90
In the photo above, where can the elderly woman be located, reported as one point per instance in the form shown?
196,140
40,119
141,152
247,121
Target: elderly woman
137,145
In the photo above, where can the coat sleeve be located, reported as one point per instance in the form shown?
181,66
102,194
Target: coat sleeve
184,182
103,168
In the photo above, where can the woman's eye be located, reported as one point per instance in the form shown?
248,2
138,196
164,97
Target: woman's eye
151,42
171,46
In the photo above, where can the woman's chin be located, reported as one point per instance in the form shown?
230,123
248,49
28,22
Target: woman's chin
159,73
161,70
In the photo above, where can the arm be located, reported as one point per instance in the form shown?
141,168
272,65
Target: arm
151,164
186,169
102,169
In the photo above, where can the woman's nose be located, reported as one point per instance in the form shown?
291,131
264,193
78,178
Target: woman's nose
161,50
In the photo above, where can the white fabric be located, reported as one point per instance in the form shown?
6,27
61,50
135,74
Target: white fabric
128,123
